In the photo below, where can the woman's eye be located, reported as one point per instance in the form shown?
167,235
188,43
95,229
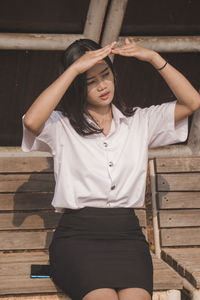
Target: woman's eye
90,82
106,74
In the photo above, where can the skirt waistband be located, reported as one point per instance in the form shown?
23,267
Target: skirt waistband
100,211
99,223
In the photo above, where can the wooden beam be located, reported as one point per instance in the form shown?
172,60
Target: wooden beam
167,43
31,41
114,21
95,18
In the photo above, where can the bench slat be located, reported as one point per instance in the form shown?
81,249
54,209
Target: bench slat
185,261
177,164
26,164
24,257
27,183
22,285
34,220
25,240
180,237
178,182
178,200
26,201
179,218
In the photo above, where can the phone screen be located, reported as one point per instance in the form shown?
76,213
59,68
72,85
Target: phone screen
40,271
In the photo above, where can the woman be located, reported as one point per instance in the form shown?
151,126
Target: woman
100,150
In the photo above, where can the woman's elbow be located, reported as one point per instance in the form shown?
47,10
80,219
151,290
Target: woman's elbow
31,126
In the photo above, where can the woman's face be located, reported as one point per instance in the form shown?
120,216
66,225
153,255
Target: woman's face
100,85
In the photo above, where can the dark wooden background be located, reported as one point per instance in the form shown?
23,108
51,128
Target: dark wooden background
24,74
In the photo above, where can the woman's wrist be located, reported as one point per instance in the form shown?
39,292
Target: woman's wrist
73,70
157,61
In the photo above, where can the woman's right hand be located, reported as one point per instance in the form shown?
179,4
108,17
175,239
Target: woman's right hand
90,58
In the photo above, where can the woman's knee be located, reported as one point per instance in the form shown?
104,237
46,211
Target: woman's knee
134,294
101,294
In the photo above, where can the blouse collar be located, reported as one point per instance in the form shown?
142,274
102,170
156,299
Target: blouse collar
117,116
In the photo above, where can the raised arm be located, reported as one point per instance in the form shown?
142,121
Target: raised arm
188,98
46,102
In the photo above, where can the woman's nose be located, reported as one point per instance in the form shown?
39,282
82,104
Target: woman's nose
101,85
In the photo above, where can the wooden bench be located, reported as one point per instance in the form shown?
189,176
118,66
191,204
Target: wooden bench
27,222
175,185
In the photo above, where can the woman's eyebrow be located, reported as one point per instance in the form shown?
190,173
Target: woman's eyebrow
106,68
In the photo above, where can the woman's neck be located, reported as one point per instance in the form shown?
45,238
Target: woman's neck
102,114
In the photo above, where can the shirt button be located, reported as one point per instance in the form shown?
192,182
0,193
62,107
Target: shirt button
105,144
113,187
108,204
110,164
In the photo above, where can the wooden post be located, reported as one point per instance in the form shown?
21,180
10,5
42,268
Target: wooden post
194,136
95,18
114,21
154,209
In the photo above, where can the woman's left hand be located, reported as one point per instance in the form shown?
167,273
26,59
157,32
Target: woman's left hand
131,49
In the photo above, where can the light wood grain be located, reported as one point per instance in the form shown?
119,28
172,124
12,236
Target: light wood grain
185,261
26,164
26,201
180,237
14,240
27,183
34,220
178,182
179,200
22,285
141,214
177,164
179,218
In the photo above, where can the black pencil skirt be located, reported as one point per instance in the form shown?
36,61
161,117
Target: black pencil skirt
96,248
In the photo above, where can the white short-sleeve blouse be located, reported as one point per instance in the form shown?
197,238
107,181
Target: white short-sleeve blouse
105,171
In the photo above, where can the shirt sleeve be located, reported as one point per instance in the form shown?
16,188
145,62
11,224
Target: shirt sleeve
46,140
162,129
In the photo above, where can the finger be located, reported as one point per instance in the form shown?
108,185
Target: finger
127,42
123,47
120,50
103,50
124,52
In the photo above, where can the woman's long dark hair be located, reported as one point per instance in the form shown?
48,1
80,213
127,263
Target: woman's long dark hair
73,102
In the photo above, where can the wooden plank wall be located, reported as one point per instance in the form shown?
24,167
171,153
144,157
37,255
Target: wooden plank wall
178,187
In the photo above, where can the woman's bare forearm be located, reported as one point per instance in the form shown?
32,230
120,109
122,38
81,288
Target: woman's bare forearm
46,102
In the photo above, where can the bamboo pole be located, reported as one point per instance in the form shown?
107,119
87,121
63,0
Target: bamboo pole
114,21
95,18
167,43
31,41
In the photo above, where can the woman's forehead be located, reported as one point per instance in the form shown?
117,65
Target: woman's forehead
97,68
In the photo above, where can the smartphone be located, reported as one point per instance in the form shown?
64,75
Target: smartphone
40,271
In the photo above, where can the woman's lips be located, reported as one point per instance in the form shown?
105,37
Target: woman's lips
105,96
